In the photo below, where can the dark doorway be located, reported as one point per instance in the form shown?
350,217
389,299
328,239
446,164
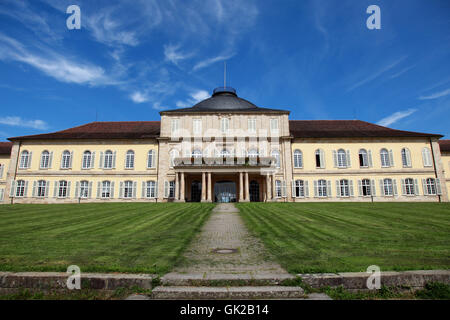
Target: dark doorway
225,191
196,191
254,191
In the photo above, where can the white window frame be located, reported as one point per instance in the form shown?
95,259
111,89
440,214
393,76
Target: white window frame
20,189
25,159
426,157
278,191
45,160
84,189
321,154
224,125
384,158
341,158
171,191
66,159
251,123
299,188
63,186
274,125
151,159
363,156
388,187
86,162
108,160
129,159
366,185
409,187
276,155
406,157
431,186
174,126
150,189
322,188
197,126
128,189
298,159
105,189
41,189
344,188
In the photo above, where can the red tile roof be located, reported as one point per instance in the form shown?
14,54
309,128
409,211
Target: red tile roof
347,129
298,129
5,147
102,130
444,145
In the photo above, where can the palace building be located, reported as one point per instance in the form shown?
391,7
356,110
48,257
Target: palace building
225,149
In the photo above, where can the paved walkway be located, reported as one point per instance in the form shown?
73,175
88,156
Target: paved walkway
226,230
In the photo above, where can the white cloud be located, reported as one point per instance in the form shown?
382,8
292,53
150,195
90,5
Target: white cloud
436,95
210,61
54,65
195,97
172,54
396,117
157,106
19,122
376,74
398,74
139,97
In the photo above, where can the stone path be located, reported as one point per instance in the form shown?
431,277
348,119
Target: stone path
226,230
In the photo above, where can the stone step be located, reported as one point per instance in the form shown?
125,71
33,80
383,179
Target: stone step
262,292
223,279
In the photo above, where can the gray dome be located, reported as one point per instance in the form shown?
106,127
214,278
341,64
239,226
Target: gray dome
224,98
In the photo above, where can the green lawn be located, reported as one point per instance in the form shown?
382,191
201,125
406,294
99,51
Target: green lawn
339,237
110,237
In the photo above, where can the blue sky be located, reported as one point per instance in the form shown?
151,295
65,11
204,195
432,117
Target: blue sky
132,59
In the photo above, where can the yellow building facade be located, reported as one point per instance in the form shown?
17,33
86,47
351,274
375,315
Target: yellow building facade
225,149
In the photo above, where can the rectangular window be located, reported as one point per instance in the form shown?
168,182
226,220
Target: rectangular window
197,126
151,189
106,189
366,188
224,125
42,185
128,189
251,125
175,126
388,188
172,189
274,125
278,191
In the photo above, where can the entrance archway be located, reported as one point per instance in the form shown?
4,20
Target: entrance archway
196,191
225,191
254,191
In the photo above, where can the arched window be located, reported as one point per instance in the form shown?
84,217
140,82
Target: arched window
388,187
45,159
84,189
276,155
108,161
150,159
24,159
341,158
320,158
298,159
363,158
65,160
173,155
129,161
384,156
87,160
20,188
426,156
406,157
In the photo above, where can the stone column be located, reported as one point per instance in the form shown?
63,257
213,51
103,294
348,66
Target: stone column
209,187
268,189
274,187
203,187
177,187
182,187
241,187
247,191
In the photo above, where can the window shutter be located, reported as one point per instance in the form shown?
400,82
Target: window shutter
29,159
322,159
125,162
335,158
71,159
352,194
283,189
134,189
90,190
68,189
338,190
416,187
360,191
112,190
47,186
50,160
92,160
77,189
369,158
166,189
98,189
316,189
114,160
55,189
381,187
306,188
293,189
12,189
438,186
121,190
148,160
394,186
391,158
403,187
329,188
156,189
1,171
34,189
349,162
2,192
61,162
100,164
424,187
408,158
25,190
143,190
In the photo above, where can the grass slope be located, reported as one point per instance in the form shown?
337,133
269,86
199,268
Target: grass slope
110,237
339,237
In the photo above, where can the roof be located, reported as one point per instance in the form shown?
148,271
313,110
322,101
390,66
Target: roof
444,145
347,129
224,99
102,130
5,147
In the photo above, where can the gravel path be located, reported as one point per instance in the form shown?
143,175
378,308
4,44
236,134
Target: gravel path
226,230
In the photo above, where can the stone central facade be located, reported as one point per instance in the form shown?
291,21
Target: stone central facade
225,149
